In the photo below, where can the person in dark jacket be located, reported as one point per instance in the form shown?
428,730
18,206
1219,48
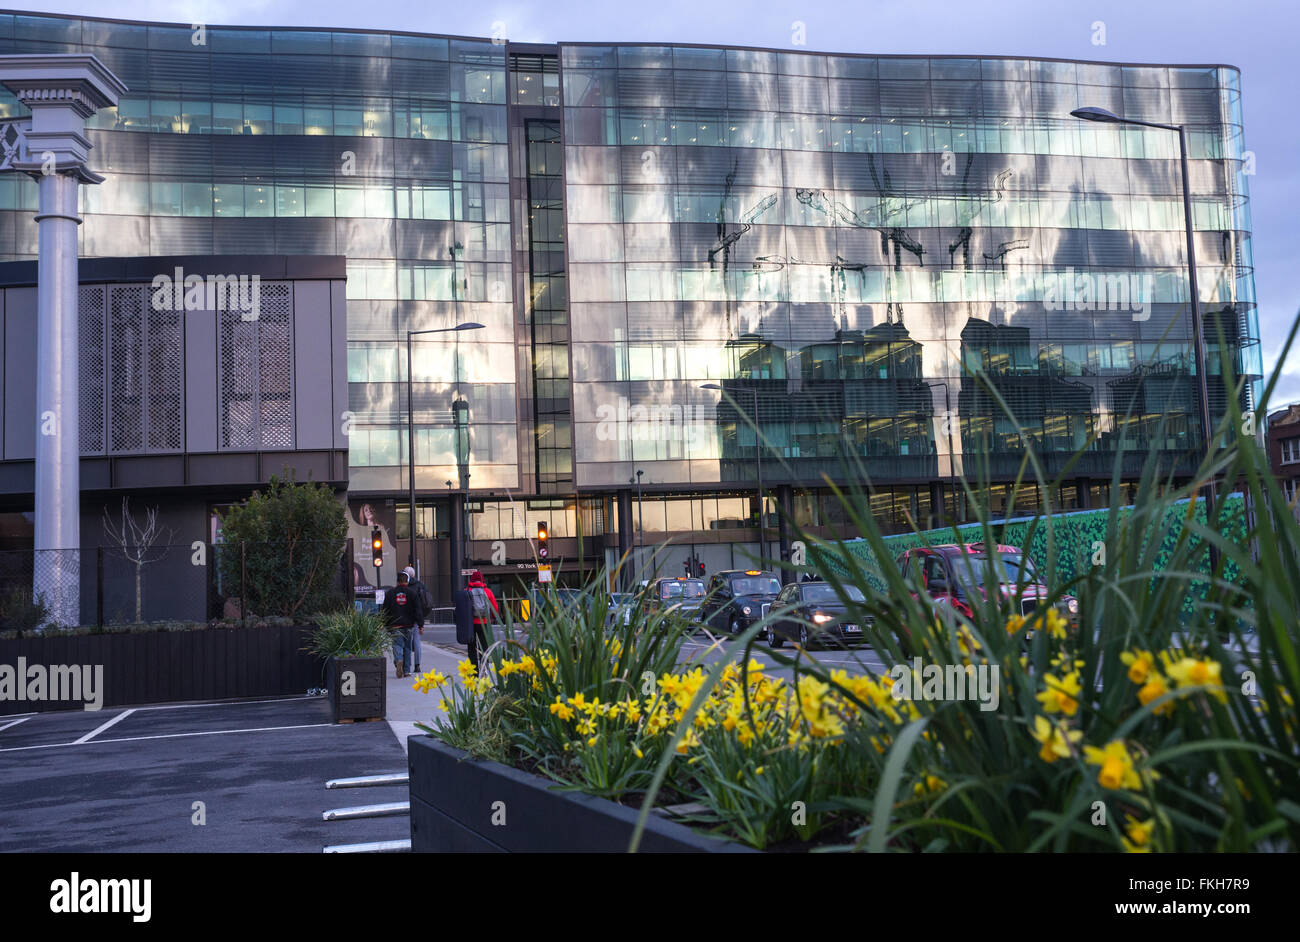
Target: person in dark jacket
426,601
403,610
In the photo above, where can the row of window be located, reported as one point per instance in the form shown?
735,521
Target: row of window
1169,425
341,117
834,208
606,205
434,447
685,93
864,134
683,360
902,68
1113,290
201,40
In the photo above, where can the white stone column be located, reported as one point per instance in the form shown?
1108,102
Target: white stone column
61,91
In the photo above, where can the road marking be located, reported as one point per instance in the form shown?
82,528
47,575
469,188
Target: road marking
211,703
16,722
209,732
95,732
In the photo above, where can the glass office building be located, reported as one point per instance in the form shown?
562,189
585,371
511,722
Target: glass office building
661,241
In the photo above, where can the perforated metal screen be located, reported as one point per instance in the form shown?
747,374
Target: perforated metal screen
256,373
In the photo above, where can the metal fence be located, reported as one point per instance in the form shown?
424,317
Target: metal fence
183,582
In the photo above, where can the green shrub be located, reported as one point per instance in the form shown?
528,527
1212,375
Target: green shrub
21,611
293,541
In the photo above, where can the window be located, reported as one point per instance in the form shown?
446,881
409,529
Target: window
1290,450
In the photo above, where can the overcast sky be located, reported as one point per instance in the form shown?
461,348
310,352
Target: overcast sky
1256,36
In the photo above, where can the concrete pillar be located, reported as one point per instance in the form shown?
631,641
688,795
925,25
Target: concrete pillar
61,91
626,540
57,571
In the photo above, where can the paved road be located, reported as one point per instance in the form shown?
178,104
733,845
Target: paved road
127,779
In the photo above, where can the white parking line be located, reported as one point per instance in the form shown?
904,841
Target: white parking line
212,703
99,729
16,722
207,732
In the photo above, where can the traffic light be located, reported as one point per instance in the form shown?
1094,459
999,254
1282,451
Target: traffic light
377,547
542,536
701,565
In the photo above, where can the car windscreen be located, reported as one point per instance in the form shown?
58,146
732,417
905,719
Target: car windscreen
1008,569
680,590
823,592
755,585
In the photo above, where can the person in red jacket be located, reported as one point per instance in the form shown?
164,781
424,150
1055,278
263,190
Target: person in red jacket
483,605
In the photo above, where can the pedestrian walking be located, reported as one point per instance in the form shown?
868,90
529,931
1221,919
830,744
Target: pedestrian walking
483,607
426,603
403,611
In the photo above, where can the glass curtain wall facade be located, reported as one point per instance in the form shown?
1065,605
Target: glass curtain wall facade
837,242
850,238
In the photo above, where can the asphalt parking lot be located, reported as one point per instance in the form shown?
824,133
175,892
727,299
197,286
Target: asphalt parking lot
128,779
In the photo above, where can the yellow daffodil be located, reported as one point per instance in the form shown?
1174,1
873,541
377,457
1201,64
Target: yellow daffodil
1117,769
1194,672
1054,738
930,785
1154,689
1139,832
1140,665
1061,695
561,709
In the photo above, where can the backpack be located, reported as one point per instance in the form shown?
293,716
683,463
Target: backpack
482,607
426,597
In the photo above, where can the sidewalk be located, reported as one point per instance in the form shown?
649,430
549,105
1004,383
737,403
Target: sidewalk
407,706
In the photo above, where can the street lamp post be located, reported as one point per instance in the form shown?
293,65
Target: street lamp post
640,519
758,466
410,416
1103,116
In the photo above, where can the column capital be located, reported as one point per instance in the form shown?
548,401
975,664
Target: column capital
61,91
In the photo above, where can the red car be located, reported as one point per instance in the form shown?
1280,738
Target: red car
955,575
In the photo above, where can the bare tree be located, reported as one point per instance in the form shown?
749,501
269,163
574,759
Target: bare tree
135,541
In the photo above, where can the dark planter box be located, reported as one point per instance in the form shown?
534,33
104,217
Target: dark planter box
171,666
369,697
454,798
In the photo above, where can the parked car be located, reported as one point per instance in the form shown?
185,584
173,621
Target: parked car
680,595
621,605
955,575
813,614
737,598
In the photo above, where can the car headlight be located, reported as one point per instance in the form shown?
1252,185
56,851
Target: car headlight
821,618
1072,606
745,609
